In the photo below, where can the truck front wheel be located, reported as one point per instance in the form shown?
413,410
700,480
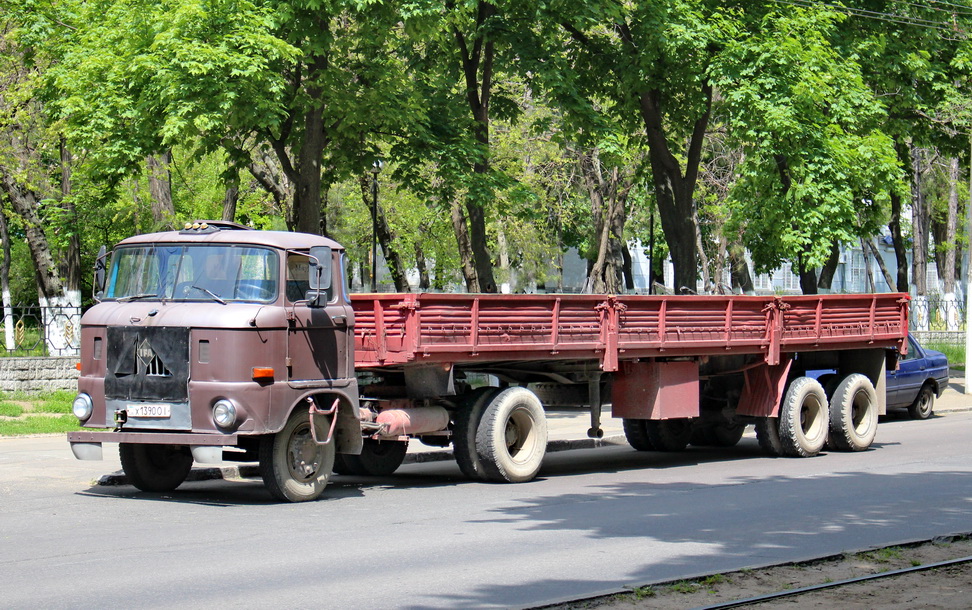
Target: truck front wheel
511,438
155,467
293,466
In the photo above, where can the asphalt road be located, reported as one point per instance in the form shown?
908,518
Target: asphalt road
595,521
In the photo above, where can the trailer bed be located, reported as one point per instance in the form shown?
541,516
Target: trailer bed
404,329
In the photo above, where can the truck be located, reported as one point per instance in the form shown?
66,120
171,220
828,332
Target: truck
220,343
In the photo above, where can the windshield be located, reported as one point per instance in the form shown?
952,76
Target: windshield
193,273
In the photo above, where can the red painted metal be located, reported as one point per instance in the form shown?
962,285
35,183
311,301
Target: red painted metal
399,329
656,390
763,389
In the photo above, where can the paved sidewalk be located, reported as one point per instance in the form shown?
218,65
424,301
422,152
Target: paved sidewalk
48,457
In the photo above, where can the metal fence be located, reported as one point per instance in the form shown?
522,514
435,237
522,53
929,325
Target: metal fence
937,320
32,330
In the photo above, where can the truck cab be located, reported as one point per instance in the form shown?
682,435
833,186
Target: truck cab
208,343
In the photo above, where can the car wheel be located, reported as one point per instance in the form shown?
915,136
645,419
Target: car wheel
924,403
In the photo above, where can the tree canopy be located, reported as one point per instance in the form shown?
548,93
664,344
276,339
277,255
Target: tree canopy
509,130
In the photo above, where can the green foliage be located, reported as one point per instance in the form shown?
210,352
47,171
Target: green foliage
817,167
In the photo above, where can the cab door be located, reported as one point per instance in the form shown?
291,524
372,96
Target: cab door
320,339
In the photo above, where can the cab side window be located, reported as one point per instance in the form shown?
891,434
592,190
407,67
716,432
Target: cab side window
298,277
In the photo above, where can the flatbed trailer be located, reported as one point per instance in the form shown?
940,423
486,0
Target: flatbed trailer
278,364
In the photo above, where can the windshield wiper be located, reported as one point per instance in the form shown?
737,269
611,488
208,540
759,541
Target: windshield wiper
210,293
135,297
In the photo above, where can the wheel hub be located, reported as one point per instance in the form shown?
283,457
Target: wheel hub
305,455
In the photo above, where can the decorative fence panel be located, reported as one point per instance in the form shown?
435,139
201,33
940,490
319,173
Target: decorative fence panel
32,330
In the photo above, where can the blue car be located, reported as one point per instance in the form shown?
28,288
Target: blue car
921,377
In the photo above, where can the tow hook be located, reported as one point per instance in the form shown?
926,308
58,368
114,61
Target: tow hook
121,418
313,410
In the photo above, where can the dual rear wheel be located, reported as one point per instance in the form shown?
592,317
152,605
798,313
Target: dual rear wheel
808,421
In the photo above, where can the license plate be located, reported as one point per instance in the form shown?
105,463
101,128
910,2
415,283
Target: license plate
161,410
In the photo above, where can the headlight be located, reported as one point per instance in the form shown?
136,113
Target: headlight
224,413
82,406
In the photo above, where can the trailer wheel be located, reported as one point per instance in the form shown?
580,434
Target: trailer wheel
636,431
804,418
924,403
294,468
378,458
155,467
512,437
768,436
669,434
853,414
466,423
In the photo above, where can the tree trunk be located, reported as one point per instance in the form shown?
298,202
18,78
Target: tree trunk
674,190
160,188
71,259
739,270
608,195
423,267
944,231
230,199
61,325
880,261
898,243
277,183
383,234
919,219
8,321
465,249
477,69
826,279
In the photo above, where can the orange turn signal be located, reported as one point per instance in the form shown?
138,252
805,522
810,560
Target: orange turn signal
77,366
262,372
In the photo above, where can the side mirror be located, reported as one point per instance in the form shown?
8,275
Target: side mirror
320,275
98,287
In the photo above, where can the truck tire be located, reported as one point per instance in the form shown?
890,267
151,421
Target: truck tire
294,468
804,418
377,459
466,423
636,431
853,414
768,436
155,467
669,434
511,439
726,434
924,403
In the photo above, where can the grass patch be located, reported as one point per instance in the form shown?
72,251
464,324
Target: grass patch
9,409
686,587
38,424
955,352
54,402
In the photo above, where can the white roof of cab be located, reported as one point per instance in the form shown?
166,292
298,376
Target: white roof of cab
275,239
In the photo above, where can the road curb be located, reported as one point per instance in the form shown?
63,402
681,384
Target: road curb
249,472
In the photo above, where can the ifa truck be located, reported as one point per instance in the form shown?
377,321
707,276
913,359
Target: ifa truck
219,343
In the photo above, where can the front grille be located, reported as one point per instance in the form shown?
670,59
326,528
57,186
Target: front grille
147,363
